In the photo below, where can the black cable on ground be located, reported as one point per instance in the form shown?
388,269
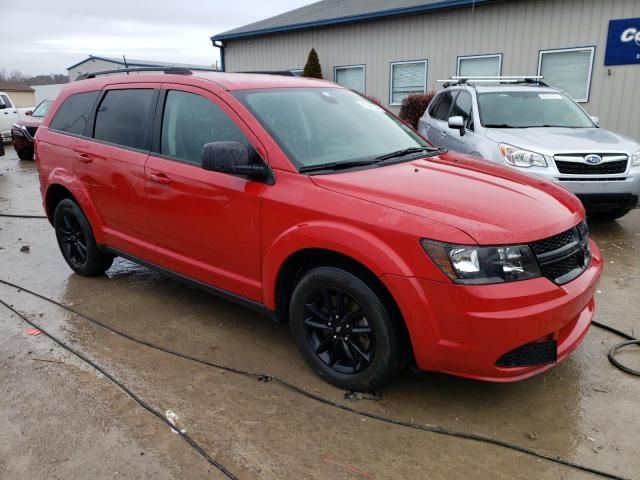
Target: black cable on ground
10,215
631,340
266,377
186,437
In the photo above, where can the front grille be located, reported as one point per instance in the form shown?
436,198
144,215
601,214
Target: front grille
565,256
539,353
32,130
606,168
554,243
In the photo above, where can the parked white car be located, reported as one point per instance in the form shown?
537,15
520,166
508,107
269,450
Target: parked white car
9,114
531,127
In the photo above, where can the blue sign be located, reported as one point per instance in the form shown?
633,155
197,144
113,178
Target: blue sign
623,42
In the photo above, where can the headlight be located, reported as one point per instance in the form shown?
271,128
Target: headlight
519,157
481,265
635,159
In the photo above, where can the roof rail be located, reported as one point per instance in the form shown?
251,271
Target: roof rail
513,79
174,70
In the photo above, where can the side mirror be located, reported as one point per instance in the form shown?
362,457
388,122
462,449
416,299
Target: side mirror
595,119
29,112
232,158
457,123
3,106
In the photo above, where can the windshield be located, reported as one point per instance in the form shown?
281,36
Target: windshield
42,109
316,126
531,109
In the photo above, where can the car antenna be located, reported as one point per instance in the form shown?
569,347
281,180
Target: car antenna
125,63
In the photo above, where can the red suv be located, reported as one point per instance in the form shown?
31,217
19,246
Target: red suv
312,204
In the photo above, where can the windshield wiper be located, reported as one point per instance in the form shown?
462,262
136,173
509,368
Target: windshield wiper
500,125
405,152
336,165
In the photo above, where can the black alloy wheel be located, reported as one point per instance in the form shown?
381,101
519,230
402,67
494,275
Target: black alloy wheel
76,240
345,332
338,331
73,240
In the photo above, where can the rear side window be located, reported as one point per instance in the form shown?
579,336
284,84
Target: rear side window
190,121
442,110
124,118
462,108
74,112
5,100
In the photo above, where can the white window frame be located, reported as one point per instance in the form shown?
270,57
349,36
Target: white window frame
592,49
344,67
472,57
404,62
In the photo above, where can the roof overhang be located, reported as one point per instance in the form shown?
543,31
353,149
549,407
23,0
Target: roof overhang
394,12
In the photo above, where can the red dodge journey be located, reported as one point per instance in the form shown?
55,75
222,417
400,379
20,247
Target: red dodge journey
308,202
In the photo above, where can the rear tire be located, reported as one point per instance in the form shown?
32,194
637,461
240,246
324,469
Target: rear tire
610,215
76,240
25,153
344,331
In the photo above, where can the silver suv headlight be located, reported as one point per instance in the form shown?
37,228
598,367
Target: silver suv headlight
481,265
519,157
635,159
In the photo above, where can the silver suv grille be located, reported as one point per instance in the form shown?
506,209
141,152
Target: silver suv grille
577,163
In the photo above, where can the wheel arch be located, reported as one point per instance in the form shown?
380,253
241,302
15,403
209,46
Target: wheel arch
61,186
304,260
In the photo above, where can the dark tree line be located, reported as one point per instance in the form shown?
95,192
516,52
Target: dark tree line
16,76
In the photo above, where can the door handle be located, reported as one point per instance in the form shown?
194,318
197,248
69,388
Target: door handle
160,178
83,157
443,134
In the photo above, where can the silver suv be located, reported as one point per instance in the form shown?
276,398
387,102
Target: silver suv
523,123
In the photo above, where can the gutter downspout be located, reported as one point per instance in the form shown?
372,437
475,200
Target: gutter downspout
219,45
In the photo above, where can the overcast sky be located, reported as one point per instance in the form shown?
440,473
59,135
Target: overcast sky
47,36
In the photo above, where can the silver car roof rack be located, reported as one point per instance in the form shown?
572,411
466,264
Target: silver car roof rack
173,70
512,79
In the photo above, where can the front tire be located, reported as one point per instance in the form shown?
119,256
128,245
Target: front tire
76,240
344,330
25,153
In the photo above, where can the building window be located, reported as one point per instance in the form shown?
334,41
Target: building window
568,69
480,66
351,77
407,78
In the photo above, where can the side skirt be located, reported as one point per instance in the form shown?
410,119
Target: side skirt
252,304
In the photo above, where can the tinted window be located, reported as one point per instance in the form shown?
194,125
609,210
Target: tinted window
124,118
73,114
442,110
462,108
5,100
190,121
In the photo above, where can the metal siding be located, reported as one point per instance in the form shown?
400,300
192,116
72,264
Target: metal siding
517,29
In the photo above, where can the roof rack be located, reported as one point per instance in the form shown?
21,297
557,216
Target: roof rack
173,70
513,79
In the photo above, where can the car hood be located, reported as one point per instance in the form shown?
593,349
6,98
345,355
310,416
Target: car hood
490,203
30,121
553,140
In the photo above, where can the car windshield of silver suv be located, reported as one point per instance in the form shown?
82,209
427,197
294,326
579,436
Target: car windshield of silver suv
531,109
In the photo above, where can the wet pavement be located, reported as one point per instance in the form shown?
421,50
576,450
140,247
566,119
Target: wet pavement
62,419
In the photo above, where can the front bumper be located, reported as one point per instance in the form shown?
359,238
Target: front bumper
21,137
465,329
612,189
